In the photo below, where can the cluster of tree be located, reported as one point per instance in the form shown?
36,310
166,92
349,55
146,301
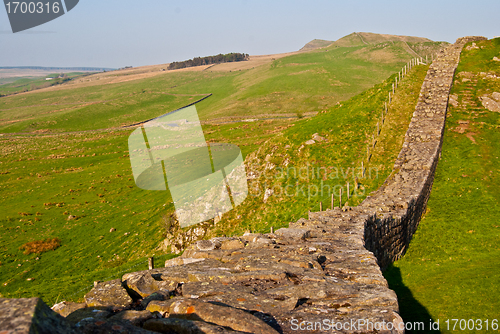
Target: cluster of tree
220,58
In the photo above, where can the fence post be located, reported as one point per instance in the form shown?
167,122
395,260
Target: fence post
340,198
151,263
331,205
320,206
348,191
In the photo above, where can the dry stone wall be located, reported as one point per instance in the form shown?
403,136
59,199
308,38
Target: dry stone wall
320,275
395,209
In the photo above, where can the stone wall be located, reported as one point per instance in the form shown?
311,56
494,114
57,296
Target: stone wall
396,208
319,272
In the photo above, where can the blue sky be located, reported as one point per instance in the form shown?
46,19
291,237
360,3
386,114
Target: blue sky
117,33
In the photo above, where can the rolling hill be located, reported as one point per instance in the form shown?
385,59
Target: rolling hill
65,171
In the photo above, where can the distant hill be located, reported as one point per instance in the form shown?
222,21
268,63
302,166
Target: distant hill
316,44
364,38
415,46
13,72
71,69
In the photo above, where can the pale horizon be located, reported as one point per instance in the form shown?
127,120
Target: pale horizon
115,34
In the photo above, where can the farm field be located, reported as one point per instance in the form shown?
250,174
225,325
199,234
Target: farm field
452,267
13,85
65,171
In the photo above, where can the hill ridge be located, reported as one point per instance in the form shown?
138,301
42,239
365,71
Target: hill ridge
362,38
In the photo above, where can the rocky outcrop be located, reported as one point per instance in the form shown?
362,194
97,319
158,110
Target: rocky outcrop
319,275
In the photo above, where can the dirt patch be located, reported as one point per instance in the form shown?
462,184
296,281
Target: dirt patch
462,127
301,72
298,64
471,135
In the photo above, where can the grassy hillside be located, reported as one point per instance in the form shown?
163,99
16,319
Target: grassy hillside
10,86
62,176
452,268
365,38
300,176
293,86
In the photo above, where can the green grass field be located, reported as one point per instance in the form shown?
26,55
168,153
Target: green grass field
452,267
57,161
303,175
10,86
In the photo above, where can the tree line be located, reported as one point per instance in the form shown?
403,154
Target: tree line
198,61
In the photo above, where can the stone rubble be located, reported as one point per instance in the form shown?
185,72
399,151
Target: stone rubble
325,267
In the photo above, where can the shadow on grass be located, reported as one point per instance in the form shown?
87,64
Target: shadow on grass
413,313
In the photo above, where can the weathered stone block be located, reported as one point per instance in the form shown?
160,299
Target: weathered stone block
65,308
220,315
110,293
30,315
145,285
95,313
182,326
293,233
135,318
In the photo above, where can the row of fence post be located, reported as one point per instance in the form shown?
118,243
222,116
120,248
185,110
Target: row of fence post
401,74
